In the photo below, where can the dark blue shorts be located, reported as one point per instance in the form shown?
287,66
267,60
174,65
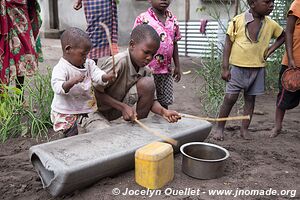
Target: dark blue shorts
285,99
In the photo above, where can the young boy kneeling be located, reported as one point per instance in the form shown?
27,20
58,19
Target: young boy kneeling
133,85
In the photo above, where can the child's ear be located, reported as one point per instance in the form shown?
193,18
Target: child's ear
68,48
131,44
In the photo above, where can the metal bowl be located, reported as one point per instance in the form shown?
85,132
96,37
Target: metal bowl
203,160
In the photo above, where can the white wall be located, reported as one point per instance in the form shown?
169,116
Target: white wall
67,15
127,12
44,14
129,9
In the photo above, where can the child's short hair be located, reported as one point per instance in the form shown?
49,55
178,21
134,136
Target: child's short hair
142,31
74,36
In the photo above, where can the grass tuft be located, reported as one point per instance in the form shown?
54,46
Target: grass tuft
30,118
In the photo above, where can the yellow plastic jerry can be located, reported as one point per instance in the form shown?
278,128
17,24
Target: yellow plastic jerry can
154,165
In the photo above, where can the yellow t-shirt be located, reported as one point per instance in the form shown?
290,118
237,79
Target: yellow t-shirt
294,10
246,53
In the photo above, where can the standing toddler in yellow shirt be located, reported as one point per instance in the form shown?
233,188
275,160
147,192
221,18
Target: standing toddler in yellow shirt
246,50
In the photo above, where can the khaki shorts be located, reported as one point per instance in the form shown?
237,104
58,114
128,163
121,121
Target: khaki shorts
102,120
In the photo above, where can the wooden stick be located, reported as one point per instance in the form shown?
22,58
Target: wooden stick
170,140
217,119
110,44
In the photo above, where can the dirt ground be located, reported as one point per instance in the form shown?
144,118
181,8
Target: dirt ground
270,164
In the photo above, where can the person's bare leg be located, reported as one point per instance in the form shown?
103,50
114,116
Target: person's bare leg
145,89
279,115
248,110
228,102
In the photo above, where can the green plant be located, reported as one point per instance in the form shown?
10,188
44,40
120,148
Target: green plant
33,116
214,10
39,100
272,70
212,91
11,112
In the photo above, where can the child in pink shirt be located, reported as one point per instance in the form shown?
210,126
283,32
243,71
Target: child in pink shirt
165,23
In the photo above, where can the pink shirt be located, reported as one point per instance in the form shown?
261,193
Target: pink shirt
168,33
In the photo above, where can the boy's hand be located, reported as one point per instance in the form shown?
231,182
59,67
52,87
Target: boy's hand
177,74
226,76
109,77
129,113
77,79
171,115
77,5
71,82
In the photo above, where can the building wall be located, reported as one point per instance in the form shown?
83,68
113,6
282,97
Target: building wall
127,12
44,14
129,9
67,15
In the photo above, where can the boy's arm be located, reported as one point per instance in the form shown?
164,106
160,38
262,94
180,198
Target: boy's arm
109,77
226,54
177,70
129,114
99,76
290,27
279,41
59,83
170,115
71,82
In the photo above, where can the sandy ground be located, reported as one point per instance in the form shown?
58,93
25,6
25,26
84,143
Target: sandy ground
260,164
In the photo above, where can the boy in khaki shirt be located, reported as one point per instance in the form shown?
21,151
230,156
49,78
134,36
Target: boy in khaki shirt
133,83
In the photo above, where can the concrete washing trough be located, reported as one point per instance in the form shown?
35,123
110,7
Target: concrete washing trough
72,163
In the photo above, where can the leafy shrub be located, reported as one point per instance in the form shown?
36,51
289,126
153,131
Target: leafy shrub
32,117
10,112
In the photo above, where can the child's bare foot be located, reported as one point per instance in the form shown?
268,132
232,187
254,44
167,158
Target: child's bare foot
218,135
245,134
275,132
